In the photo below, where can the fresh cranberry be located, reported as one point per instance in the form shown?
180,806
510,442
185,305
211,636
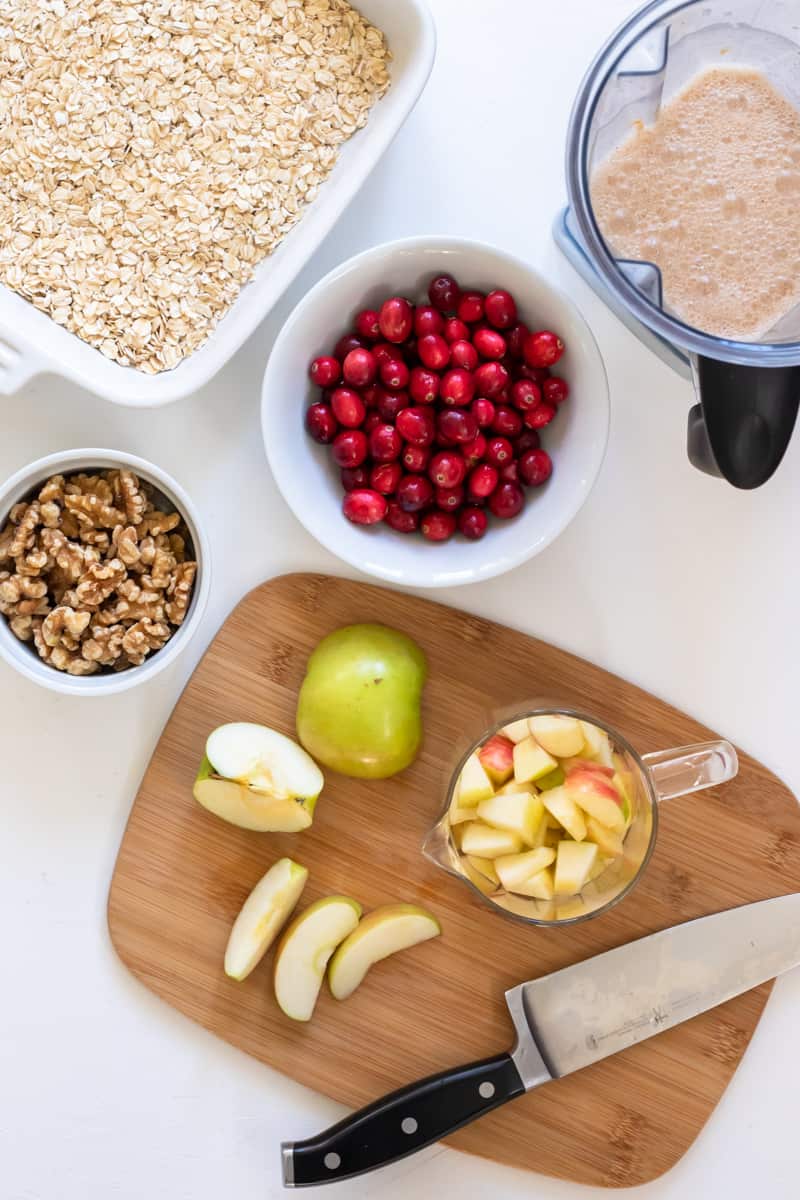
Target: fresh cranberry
515,339
350,448
499,451
510,473
536,374
527,440
385,477
417,425
415,458
394,374
364,507
537,418
447,469
489,343
555,390
321,423
542,348
359,367
535,467
507,500
370,395
410,352
444,293
507,422
449,499
438,526
414,492
372,419
433,351
423,385
399,519
490,379
367,325
384,352
472,522
385,443
458,388
474,451
354,477
325,371
501,309
525,394
396,319
391,403
427,320
463,354
470,307
345,344
348,407
483,411
457,426
482,481
455,331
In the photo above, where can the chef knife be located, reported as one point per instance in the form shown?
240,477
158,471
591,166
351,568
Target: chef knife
566,1021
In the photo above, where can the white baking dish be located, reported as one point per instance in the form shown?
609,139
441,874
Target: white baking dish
31,343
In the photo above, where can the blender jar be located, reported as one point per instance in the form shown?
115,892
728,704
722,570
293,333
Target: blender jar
748,392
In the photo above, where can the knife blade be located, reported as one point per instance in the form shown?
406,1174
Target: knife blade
564,1022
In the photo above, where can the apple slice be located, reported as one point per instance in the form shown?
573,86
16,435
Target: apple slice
486,868
304,951
552,779
476,877
474,784
517,731
385,931
607,840
258,779
514,869
560,736
531,761
482,841
574,861
565,811
262,915
623,782
540,885
589,786
497,758
518,812
598,743
457,815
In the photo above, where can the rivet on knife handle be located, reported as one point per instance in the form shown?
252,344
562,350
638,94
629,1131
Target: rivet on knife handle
402,1122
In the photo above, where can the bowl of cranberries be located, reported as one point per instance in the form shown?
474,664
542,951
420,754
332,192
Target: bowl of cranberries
435,412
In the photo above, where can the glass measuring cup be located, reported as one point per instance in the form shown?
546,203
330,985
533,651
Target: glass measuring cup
748,391
655,777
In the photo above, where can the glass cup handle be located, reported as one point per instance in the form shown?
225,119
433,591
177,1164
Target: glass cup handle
691,768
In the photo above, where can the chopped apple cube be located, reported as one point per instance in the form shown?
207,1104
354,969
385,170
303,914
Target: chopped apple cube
565,811
486,868
607,840
457,816
560,736
623,782
589,786
514,869
483,841
598,743
552,779
574,861
517,731
540,885
518,812
474,784
531,761
476,877
497,758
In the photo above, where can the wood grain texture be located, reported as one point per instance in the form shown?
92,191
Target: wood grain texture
182,875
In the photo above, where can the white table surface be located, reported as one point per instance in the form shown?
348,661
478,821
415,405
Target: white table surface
667,577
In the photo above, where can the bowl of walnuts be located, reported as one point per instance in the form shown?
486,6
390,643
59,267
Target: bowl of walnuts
104,571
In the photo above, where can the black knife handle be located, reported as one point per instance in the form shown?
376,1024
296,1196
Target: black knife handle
402,1122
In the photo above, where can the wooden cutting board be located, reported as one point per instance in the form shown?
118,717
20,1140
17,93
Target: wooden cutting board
182,875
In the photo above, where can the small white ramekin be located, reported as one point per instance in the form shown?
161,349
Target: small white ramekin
22,655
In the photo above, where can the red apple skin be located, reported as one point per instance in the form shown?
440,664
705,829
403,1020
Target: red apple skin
595,778
497,758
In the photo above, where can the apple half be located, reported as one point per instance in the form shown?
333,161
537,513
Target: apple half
262,916
387,930
305,949
258,779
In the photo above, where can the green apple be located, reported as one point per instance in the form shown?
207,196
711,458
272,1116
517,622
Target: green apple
565,811
559,735
482,841
519,812
574,861
474,784
262,915
531,761
515,869
304,951
258,779
386,930
359,706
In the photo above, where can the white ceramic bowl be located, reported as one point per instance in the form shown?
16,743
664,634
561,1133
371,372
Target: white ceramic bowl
309,479
23,656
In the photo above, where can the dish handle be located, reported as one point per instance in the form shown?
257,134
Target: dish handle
19,362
